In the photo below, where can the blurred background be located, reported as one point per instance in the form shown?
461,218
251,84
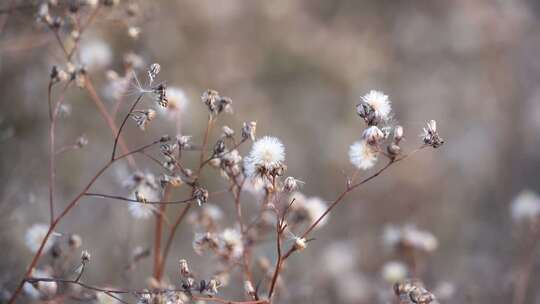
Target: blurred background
298,68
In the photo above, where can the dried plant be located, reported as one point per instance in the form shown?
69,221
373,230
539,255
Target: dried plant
285,216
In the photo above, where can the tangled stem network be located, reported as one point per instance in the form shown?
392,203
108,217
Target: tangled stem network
283,214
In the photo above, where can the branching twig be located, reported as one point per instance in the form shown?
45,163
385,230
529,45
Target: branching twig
141,292
121,198
124,123
66,210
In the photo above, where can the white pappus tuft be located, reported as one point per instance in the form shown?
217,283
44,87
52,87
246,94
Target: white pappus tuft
525,207
267,154
379,103
362,155
177,103
35,235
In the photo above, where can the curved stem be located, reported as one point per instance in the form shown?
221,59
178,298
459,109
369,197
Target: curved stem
109,119
66,210
53,115
124,123
135,292
121,198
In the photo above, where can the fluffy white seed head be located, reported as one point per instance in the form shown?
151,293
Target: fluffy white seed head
41,289
394,271
95,54
309,208
339,257
379,102
142,210
409,235
267,153
35,235
373,135
525,207
232,239
177,103
362,155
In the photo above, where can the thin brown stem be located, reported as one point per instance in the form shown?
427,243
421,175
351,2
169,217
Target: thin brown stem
202,162
158,234
526,267
109,119
279,231
53,115
185,210
172,232
126,199
66,210
350,187
110,291
124,123
81,31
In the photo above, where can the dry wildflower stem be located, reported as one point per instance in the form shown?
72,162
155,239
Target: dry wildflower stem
161,252
53,115
350,187
157,236
67,209
117,137
526,266
89,86
112,292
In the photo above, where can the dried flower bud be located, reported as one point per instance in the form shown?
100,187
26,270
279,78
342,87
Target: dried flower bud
372,135
184,268
290,184
248,288
58,75
393,149
153,71
140,197
300,243
215,162
160,93
142,118
211,99
413,291
183,141
219,147
248,130
169,164
85,256
164,138
201,195
430,136
225,105
81,141
227,131
134,32
374,107
167,149
176,181
398,134
210,287
188,172
56,23
80,77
